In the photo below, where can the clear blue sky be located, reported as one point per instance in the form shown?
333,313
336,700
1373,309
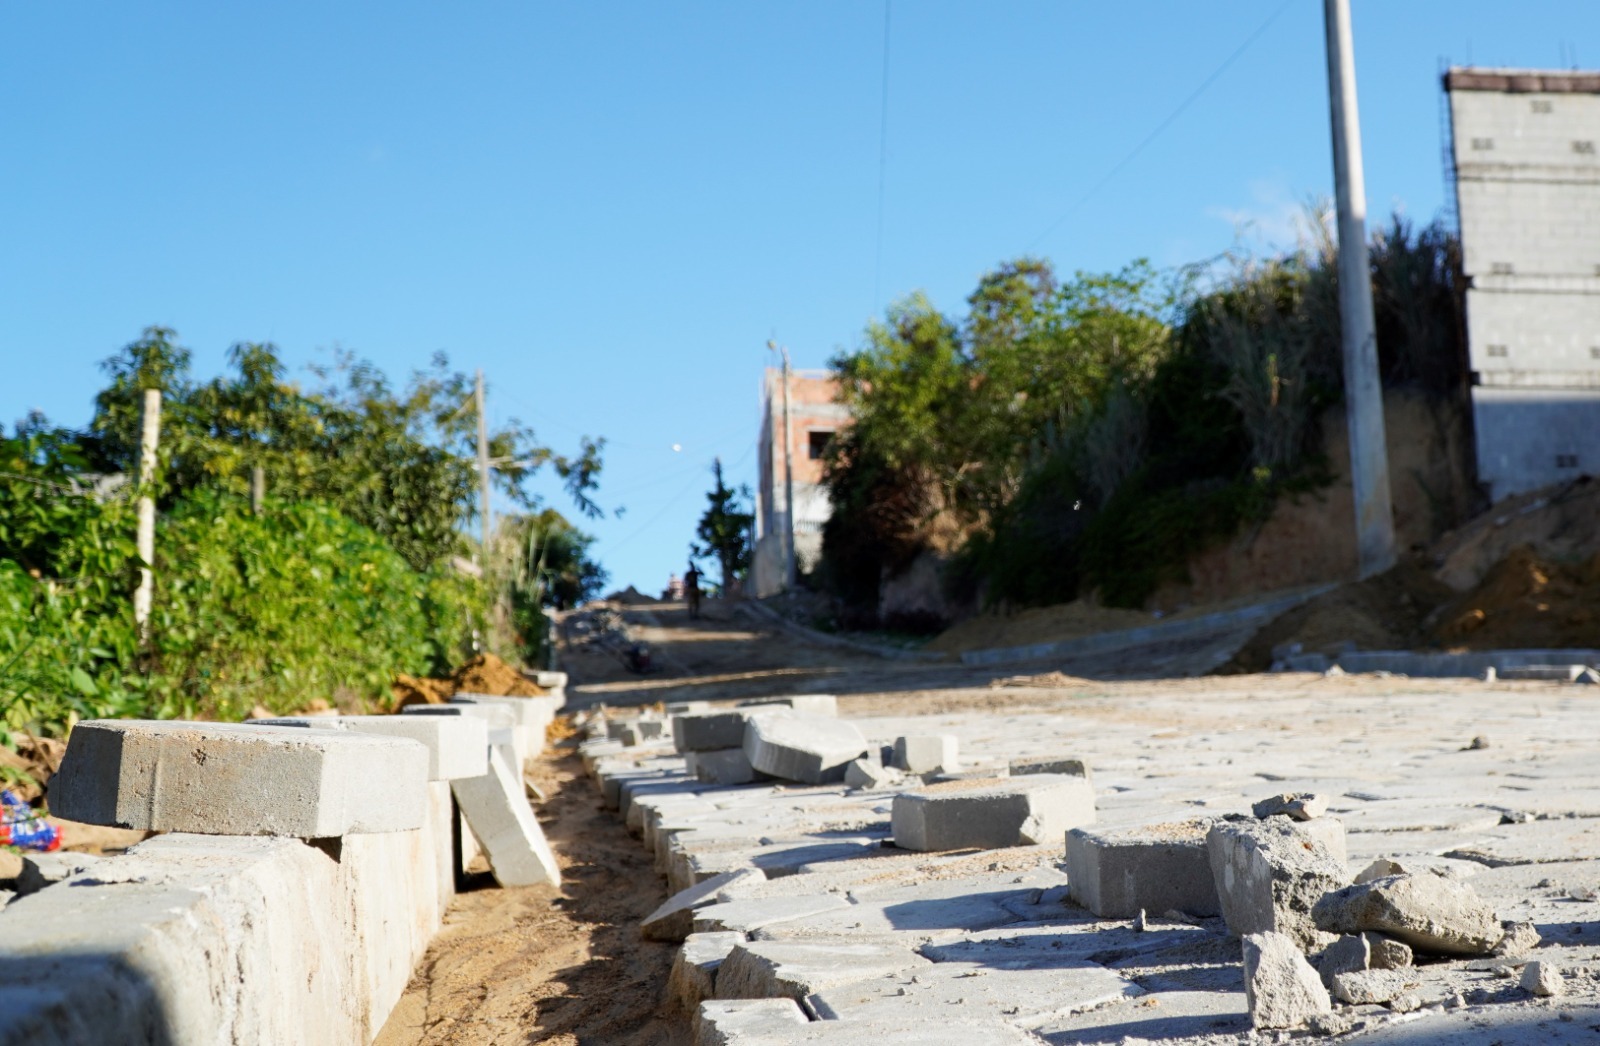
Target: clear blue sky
611,207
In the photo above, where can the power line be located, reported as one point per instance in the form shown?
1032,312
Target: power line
1164,124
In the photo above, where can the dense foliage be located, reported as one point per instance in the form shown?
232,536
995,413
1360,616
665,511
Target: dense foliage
1097,434
347,574
726,530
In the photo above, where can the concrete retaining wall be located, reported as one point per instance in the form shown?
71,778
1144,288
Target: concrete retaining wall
228,939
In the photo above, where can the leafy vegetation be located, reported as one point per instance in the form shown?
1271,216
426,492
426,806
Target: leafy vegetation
1097,434
725,530
347,575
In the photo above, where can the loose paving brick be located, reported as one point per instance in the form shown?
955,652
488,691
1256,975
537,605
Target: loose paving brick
1024,811
1024,997
694,970
1116,872
927,753
797,969
232,779
730,1022
501,818
674,919
810,750
724,766
457,745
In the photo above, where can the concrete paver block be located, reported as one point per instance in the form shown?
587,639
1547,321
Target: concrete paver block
809,750
867,774
710,731
726,766
674,919
1115,872
1020,811
457,745
796,969
501,818
231,779
927,753
1024,997
730,1022
694,969
1269,873
1050,765
825,705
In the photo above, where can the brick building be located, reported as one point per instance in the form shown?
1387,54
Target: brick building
814,417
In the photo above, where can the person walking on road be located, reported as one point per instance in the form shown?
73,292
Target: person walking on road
691,590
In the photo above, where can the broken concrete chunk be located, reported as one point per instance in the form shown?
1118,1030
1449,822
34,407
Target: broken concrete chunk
1281,988
1351,953
809,750
870,775
232,779
1297,806
1372,987
1390,954
926,753
1382,868
1269,874
797,968
1115,872
674,920
731,1022
1021,811
1428,912
1519,939
694,969
1540,977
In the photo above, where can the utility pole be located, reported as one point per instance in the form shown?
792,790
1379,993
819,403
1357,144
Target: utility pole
145,541
790,573
258,489
1363,389
483,469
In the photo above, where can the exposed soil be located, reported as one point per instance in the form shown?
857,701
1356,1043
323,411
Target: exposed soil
541,965
484,674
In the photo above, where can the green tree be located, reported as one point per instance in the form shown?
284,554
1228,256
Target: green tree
724,530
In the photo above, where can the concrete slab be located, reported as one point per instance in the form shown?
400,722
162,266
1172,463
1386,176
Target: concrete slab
503,821
796,969
712,731
927,753
723,766
674,919
741,1022
1117,871
694,969
1154,1017
231,779
457,746
1026,998
809,750
745,916
1020,811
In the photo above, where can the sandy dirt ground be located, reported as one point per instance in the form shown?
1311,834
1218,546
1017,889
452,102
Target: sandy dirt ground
541,965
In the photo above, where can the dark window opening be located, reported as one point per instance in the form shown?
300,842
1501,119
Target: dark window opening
817,443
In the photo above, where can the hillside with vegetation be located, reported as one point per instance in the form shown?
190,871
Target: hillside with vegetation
1090,436
353,568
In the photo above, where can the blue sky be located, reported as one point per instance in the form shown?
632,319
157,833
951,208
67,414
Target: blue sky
611,207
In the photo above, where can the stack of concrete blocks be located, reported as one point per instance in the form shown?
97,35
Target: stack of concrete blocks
530,719
495,818
712,745
303,871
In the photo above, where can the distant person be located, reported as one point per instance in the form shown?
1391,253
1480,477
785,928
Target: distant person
691,590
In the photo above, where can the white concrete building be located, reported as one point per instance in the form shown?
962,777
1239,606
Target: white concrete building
1527,175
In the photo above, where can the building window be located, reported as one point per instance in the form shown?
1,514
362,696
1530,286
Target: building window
1584,147
1482,144
817,441
1498,350
1541,105
1500,269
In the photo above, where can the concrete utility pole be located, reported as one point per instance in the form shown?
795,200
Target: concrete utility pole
483,469
1363,390
258,489
145,540
790,572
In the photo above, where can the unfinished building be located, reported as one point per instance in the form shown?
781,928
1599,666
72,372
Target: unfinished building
813,416
1527,180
